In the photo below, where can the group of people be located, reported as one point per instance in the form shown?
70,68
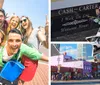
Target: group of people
17,36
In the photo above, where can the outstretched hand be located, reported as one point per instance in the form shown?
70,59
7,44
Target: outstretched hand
9,16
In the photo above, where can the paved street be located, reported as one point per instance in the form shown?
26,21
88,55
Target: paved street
77,82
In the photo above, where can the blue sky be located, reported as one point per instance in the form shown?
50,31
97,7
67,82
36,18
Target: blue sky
71,49
36,10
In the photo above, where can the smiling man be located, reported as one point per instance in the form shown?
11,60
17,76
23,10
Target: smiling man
15,48
15,45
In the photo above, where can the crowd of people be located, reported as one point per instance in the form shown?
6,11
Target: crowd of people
68,76
18,37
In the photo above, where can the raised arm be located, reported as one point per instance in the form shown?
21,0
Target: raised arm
1,3
32,53
47,26
46,43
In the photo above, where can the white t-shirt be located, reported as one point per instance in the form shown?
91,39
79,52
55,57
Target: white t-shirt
5,55
33,40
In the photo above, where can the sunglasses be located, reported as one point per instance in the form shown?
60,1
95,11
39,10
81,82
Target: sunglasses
23,20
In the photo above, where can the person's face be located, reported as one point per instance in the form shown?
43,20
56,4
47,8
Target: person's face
14,22
97,12
2,18
14,42
24,22
1,37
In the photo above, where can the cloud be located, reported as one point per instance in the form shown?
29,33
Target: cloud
69,47
64,48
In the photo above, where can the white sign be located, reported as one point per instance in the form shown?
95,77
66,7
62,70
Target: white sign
73,64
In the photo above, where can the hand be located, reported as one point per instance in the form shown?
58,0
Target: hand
9,16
